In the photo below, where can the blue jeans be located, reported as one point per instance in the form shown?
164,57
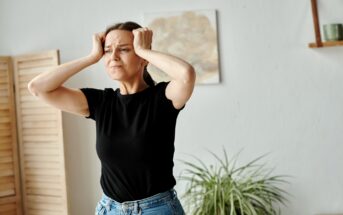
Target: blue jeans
166,203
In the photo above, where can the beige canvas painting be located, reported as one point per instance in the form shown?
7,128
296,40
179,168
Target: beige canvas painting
190,35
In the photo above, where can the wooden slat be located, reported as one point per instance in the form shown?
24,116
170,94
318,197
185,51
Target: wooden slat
5,146
46,171
5,133
10,199
6,140
4,64
23,92
4,113
28,98
5,119
43,185
33,105
3,87
46,206
43,192
41,131
35,164
27,64
44,178
6,179
38,111
22,85
4,100
3,80
8,186
46,199
3,107
41,158
8,172
50,124
43,212
36,145
6,166
6,159
42,117
5,126
7,207
27,77
8,152
43,143
41,151
4,92
8,192
40,138
12,212
33,71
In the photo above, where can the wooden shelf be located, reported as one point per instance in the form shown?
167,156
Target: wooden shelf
326,44
319,43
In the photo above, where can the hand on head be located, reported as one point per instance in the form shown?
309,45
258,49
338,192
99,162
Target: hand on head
98,49
142,38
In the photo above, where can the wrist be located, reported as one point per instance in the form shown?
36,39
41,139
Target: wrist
141,51
92,59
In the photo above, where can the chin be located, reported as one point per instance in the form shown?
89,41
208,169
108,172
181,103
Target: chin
115,75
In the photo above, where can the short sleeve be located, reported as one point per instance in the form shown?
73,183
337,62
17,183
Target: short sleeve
94,98
161,92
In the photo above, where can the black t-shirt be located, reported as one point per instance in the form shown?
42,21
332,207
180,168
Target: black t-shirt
134,140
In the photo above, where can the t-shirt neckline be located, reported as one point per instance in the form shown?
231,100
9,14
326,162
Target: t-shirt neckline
124,96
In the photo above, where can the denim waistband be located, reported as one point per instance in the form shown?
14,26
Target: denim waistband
149,202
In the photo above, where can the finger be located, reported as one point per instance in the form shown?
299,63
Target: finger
150,33
102,36
135,32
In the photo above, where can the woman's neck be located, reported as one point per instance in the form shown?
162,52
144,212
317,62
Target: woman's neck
132,87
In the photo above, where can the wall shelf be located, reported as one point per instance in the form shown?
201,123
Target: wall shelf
326,44
319,43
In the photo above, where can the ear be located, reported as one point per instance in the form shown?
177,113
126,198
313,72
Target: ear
144,63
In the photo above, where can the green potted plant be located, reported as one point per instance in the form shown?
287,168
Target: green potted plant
225,189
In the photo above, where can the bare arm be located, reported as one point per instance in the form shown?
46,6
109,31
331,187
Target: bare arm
182,73
48,85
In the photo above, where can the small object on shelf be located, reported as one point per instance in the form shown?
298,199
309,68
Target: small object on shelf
333,32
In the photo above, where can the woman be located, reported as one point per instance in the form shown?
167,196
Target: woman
135,123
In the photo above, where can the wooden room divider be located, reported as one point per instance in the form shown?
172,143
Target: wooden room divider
40,142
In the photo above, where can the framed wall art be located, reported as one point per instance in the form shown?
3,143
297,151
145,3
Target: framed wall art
189,35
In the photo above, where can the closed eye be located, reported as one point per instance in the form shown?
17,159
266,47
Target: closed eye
125,50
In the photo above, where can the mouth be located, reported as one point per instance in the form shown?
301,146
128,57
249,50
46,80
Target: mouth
116,66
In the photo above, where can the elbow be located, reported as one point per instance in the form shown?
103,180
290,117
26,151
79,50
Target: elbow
189,75
32,89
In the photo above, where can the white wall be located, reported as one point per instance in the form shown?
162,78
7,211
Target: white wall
276,95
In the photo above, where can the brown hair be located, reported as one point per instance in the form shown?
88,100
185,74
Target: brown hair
130,26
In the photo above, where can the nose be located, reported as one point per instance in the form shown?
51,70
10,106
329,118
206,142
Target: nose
115,55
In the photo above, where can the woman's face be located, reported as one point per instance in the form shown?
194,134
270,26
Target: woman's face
121,61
